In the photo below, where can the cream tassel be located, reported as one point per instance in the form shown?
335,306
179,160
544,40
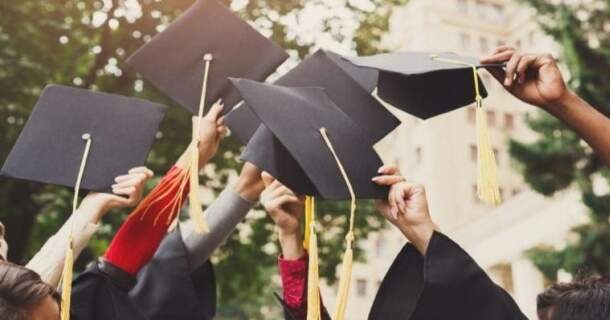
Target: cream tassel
313,286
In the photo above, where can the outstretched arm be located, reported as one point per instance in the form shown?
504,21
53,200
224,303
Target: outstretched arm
48,262
231,206
286,210
140,235
537,80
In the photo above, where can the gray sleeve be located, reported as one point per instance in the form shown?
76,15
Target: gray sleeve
222,216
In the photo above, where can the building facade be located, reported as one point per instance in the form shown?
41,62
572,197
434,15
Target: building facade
441,153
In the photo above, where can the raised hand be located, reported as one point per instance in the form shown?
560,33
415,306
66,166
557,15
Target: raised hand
211,132
286,210
127,192
406,207
532,78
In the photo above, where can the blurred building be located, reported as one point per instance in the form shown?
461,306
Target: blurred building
441,153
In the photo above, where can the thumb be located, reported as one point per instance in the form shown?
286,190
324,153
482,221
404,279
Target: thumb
267,178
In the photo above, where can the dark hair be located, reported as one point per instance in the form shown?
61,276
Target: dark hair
20,289
585,298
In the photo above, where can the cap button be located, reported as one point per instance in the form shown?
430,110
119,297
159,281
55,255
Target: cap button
207,57
86,136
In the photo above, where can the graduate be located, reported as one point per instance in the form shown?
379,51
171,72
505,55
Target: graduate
432,277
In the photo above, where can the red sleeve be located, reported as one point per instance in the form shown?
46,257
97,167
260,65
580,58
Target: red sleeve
294,283
140,235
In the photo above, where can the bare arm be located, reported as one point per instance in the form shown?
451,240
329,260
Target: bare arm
537,80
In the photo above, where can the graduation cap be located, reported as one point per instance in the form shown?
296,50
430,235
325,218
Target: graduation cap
207,37
334,153
51,146
347,85
429,84
82,139
191,61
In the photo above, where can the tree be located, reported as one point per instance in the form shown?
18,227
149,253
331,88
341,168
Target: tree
559,158
85,43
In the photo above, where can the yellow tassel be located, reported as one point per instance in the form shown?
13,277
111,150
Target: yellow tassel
195,211
487,180
66,274
308,218
345,279
66,282
487,176
345,276
313,286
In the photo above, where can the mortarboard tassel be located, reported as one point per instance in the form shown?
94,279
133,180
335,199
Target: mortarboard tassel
195,211
487,177
66,275
313,287
348,257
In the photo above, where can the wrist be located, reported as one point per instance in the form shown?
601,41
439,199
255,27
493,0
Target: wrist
292,244
563,106
250,186
418,234
93,209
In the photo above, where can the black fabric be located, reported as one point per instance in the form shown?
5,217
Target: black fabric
165,289
446,284
347,85
294,116
50,147
173,59
420,85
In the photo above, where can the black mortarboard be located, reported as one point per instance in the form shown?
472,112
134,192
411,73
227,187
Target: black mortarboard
51,146
348,86
174,59
295,116
429,84
424,84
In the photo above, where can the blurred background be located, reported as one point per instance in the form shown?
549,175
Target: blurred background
553,224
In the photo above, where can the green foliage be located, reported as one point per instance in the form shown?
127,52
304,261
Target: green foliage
559,159
84,43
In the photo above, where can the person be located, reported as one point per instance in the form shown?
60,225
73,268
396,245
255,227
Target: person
29,292
24,296
536,79
437,293
146,274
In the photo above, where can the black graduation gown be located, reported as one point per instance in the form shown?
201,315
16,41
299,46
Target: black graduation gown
446,284
163,289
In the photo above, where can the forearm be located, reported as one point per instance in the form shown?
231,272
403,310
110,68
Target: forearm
586,121
223,216
83,224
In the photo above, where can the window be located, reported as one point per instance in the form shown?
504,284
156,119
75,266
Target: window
465,41
484,44
474,153
497,156
361,287
531,38
509,121
471,115
475,193
418,155
518,44
491,118
462,6
501,193
497,12
516,192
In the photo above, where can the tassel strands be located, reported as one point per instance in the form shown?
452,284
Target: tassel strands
195,211
348,257
66,275
313,285
488,189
